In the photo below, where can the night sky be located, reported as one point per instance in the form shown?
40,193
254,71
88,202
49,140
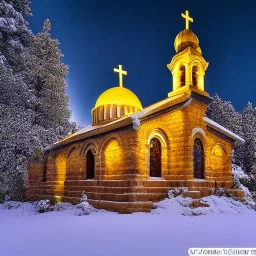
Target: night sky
95,36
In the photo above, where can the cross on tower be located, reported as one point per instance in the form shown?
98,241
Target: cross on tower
121,73
187,18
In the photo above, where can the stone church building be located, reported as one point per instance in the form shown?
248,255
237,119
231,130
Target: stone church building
130,156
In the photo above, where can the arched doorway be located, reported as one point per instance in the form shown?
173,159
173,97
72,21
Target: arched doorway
89,165
155,158
198,154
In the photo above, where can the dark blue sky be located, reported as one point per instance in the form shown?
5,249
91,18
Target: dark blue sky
95,36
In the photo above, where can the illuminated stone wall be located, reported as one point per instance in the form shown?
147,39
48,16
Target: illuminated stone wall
112,155
125,153
74,164
61,166
176,130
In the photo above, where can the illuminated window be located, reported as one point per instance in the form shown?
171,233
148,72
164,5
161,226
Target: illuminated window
198,154
155,158
194,76
182,76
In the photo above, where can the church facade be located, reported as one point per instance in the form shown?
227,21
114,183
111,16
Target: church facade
130,156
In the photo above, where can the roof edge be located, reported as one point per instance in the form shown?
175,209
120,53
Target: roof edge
220,128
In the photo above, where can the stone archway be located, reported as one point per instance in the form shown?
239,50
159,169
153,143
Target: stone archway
90,165
198,159
155,158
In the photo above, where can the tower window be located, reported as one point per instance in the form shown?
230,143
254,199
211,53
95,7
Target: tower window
182,76
194,75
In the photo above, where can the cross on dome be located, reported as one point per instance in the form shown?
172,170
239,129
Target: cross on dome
121,73
187,18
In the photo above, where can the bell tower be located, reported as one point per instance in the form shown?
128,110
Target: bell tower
188,66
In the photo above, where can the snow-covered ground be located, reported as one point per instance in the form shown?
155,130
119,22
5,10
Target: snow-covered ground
164,231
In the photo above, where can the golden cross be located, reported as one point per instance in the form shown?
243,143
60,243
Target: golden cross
121,73
187,18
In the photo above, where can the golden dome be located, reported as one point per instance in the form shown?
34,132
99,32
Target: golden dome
186,38
119,96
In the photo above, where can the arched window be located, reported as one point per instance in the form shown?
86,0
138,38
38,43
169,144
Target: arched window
182,76
90,166
198,155
155,158
194,76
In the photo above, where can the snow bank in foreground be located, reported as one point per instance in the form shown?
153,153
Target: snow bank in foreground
163,232
217,205
238,173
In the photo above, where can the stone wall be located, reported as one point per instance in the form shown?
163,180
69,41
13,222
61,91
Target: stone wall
35,172
124,152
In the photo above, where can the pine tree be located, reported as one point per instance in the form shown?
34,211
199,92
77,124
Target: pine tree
249,129
14,32
33,104
15,116
16,142
48,82
224,114
21,6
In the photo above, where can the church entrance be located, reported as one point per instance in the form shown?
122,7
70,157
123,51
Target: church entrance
89,165
198,153
155,158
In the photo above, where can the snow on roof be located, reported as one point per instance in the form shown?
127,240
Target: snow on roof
86,129
227,132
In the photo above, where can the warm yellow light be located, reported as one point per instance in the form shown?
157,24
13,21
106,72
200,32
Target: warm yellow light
187,18
217,151
119,96
121,73
186,38
60,167
156,134
57,199
113,157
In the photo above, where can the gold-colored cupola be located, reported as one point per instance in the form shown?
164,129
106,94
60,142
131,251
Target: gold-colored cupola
115,102
188,66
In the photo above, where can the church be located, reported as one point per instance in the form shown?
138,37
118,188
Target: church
131,156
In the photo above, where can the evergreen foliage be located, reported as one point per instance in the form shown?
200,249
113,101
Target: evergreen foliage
47,77
34,109
249,129
243,125
14,33
21,6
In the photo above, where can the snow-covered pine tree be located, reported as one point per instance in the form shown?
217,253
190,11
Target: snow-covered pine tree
16,141
249,129
15,116
48,82
21,6
14,32
28,123
224,114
